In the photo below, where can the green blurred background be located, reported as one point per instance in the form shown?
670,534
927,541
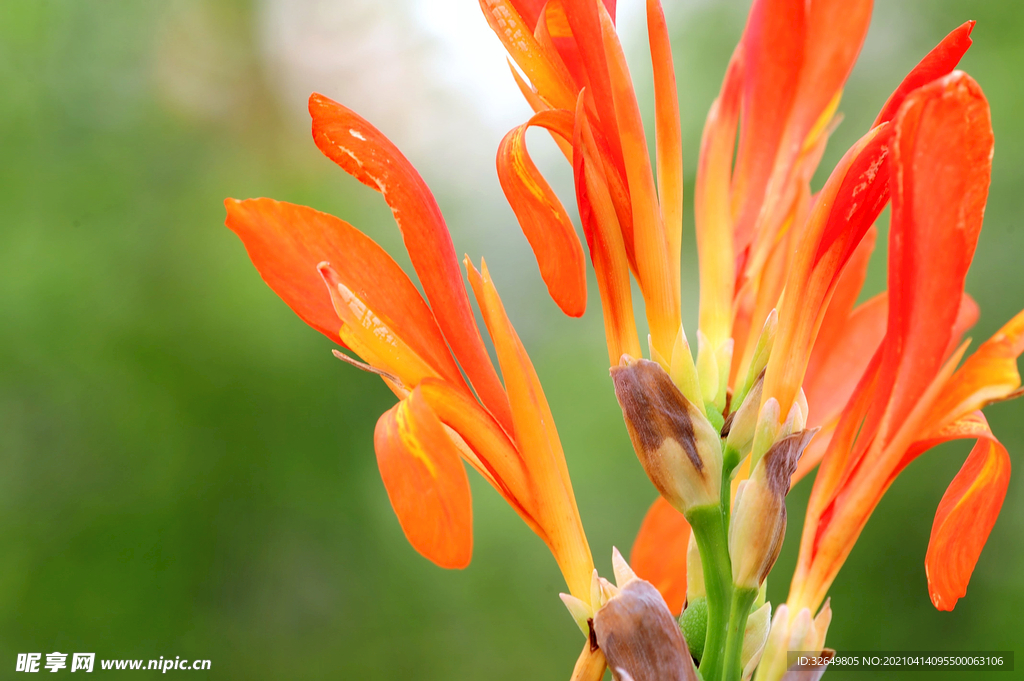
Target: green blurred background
185,470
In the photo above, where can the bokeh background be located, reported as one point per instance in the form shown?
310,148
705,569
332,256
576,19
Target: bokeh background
185,470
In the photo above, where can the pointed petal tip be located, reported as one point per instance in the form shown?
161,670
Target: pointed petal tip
623,573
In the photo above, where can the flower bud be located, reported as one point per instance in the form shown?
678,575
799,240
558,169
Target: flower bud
759,520
640,638
677,446
798,631
754,638
741,426
694,571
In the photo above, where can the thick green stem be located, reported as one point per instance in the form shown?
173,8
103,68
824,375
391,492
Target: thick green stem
709,531
742,599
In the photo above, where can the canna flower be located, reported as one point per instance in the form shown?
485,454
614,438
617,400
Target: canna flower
784,354
344,285
912,395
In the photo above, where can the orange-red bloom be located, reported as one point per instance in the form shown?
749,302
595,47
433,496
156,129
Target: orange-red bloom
345,286
581,90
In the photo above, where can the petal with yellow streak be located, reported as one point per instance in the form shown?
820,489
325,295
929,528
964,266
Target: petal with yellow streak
541,214
426,482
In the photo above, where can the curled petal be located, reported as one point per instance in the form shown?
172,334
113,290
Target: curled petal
366,154
964,519
939,62
541,215
659,552
426,483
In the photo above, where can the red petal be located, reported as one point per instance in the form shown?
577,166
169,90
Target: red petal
831,379
426,482
286,242
942,163
848,288
541,215
659,552
940,61
967,512
844,210
366,154
607,250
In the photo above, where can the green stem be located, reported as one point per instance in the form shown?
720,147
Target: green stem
708,526
742,599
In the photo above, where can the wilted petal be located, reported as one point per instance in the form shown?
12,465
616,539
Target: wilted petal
637,633
677,446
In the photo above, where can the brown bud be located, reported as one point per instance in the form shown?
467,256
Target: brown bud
640,638
759,520
677,446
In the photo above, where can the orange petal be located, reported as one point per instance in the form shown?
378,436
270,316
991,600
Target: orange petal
659,552
967,512
371,337
541,215
286,242
940,61
549,77
712,210
537,441
942,163
844,298
668,135
366,154
990,374
649,240
607,250
491,452
426,483
773,52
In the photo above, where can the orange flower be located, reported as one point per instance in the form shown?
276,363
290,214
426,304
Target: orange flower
372,307
582,93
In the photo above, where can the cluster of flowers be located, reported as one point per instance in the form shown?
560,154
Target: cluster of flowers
790,374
